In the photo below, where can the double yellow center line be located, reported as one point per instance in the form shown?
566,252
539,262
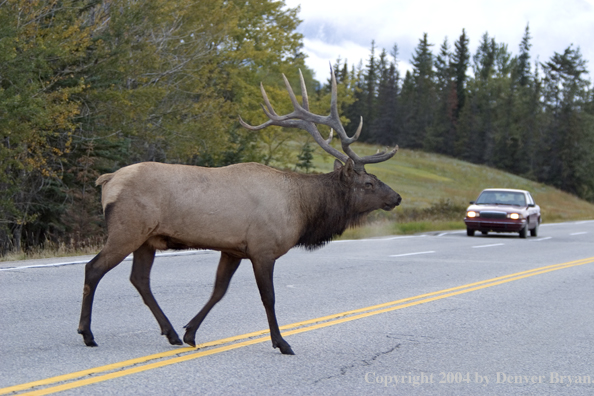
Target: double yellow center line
178,355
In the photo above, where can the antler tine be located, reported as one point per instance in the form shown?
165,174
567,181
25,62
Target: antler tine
324,143
266,100
334,96
254,128
299,118
346,141
296,104
275,119
292,123
334,120
379,157
359,129
304,92
335,117
302,118
308,119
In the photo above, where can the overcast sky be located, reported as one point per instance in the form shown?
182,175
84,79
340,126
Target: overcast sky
345,28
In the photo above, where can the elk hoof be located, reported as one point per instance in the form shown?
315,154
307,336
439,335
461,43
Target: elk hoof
287,351
88,338
172,337
284,347
190,338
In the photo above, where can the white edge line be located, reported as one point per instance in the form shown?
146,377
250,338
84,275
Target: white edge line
495,244
411,254
128,258
450,232
579,233
44,265
378,239
541,239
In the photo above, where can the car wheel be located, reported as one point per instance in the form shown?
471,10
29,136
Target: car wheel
524,232
534,231
469,232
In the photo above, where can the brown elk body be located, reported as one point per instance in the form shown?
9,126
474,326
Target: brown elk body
245,211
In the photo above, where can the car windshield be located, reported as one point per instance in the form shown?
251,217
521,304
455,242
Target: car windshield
501,198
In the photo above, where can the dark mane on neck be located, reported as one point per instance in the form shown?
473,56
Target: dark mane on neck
326,205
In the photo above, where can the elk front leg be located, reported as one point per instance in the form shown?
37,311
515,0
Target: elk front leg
263,270
144,257
95,270
227,266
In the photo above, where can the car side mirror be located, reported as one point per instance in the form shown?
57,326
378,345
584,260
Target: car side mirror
472,202
531,205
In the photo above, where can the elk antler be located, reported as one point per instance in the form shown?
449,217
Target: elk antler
302,118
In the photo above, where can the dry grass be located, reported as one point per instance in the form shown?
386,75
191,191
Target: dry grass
50,249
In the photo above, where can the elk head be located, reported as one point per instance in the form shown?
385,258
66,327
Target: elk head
368,192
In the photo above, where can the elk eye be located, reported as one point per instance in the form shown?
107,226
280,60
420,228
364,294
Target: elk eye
369,185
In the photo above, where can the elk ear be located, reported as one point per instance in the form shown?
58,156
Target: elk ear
348,170
337,165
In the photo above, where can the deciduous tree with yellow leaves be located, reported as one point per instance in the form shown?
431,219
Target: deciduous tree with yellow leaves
90,86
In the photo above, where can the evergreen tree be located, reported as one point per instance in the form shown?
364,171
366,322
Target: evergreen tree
476,122
305,158
569,130
369,94
407,106
522,70
421,113
397,109
524,110
341,72
383,129
357,108
460,63
442,134
507,143
503,114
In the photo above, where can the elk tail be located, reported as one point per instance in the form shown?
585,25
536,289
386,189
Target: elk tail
101,180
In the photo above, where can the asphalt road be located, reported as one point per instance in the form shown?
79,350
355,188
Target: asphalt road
425,314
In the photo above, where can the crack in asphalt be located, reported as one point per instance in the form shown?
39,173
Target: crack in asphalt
361,363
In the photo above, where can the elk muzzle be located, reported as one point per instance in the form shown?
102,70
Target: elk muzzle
393,200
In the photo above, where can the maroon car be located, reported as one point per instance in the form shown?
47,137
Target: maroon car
503,210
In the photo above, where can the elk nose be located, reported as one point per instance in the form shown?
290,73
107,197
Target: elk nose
395,201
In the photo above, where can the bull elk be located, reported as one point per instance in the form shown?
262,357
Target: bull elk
245,211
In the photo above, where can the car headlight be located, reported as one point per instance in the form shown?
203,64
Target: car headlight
514,216
472,213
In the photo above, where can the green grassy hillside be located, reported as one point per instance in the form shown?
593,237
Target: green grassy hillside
436,190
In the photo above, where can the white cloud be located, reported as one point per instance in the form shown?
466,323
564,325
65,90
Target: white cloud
346,28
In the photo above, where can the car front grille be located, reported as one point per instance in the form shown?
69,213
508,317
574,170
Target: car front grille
494,215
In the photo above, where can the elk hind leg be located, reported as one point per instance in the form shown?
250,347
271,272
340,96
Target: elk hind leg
95,269
140,277
263,270
228,264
